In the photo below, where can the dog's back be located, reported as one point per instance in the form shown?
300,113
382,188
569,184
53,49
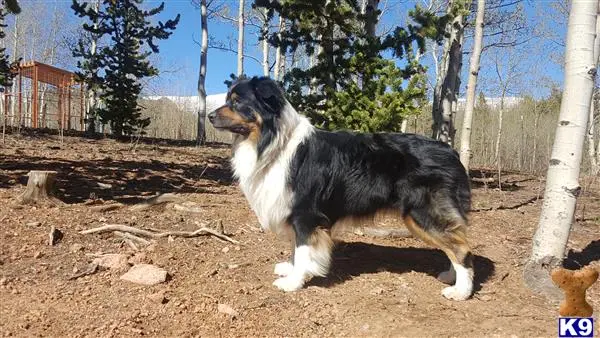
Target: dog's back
399,170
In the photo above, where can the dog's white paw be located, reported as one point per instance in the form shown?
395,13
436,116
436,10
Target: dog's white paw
452,292
288,284
283,269
447,277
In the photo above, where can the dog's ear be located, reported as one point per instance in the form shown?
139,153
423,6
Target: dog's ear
268,92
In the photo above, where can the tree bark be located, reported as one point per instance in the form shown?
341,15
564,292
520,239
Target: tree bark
40,188
370,11
279,53
465,138
14,59
201,137
92,95
499,134
562,186
404,125
593,151
265,43
448,78
240,46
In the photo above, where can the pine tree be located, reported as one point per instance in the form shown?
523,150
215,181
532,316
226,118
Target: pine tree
7,68
117,69
351,85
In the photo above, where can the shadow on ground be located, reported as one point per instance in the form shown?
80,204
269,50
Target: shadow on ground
126,181
578,259
351,259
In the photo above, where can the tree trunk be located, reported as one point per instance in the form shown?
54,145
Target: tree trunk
535,126
370,11
404,125
201,137
562,186
465,137
265,42
92,95
447,87
280,53
40,188
497,153
14,59
593,151
240,46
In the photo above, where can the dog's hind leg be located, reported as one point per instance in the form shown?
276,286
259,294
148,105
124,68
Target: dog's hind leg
312,255
451,239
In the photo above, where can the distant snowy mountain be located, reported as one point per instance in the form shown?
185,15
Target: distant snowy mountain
190,103
493,102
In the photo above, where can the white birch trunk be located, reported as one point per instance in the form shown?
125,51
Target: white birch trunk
240,46
499,134
370,8
15,85
562,186
92,95
465,137
201,137
447,80
404,125
279,53
265,43
593,151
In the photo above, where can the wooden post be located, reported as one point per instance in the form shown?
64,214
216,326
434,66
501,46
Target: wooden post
59,114
20,96
34,110
81,108
68,88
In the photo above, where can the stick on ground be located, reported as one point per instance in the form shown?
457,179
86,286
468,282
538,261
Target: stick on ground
156,200
151,234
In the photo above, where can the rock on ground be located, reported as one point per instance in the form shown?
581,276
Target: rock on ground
145,274
118,262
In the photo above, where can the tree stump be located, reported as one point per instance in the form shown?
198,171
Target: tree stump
40,188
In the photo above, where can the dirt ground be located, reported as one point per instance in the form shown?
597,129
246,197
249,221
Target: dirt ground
377,286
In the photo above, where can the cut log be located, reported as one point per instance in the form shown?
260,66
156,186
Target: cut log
40,188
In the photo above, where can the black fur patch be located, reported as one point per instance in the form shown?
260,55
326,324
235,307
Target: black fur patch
341,174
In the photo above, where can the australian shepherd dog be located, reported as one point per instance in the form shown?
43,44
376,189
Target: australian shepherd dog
304,181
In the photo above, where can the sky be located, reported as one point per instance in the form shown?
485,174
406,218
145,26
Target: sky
178,60
181,54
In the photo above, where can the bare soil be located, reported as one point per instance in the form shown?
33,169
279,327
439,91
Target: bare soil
377,287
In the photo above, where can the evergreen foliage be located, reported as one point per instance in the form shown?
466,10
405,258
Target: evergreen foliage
118,67
350,84
7,68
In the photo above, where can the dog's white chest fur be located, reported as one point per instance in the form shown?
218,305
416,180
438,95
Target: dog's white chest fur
264,181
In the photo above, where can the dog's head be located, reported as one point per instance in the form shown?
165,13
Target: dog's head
251,106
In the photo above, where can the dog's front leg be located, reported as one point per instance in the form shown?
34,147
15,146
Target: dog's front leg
312,254
285,268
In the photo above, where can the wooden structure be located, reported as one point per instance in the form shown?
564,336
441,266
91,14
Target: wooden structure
45,96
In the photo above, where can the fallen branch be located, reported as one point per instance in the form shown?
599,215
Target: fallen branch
184,208
151,234
156,200
131,237
484,179
106,207
509,207
382,232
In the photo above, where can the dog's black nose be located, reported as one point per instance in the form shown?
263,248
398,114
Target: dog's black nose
211,117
